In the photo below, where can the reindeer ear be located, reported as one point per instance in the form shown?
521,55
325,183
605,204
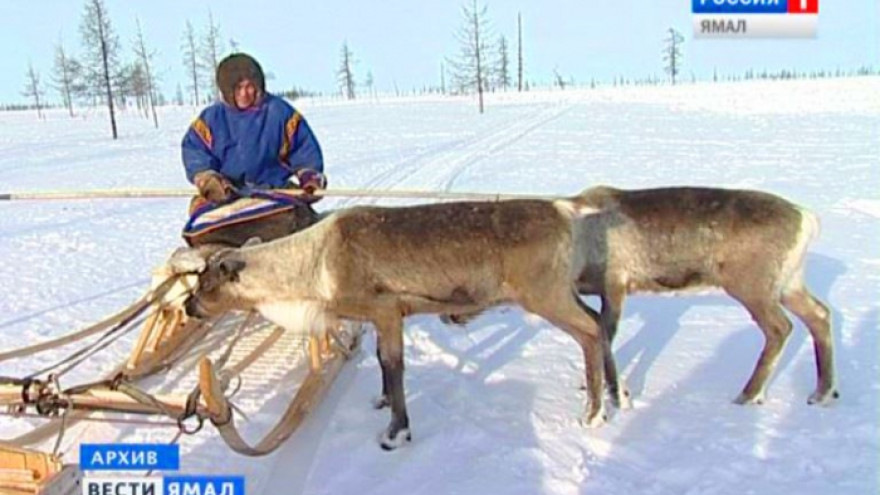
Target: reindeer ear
230,266
223,267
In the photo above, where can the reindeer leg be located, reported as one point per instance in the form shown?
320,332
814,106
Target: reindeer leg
816,317
612,308
390,349
591,345
382,401
768,314
567,314
617,388
373,311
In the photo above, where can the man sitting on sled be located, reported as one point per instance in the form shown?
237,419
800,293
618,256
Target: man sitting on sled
251,156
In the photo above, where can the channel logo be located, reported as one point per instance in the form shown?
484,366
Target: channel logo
99,461
755,18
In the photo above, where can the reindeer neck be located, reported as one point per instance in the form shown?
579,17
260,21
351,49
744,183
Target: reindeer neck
289,265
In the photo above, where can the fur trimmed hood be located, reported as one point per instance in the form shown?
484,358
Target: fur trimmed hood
236,68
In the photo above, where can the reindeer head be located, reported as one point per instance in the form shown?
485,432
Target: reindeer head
217,289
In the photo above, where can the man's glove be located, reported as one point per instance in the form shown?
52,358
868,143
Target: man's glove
213,186
310,181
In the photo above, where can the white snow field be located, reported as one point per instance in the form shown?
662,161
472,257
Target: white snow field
494,407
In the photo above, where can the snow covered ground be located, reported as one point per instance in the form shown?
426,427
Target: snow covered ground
494,407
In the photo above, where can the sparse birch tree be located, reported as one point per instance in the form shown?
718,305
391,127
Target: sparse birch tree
469,70
136,84
66,73
558,80
210,52
368,82
178,96
345,74
502,71
519,55
145,60
191,62
123,85
672,54
33,89
102,52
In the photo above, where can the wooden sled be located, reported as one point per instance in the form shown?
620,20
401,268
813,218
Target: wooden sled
167,326
327,352
172,344
25,471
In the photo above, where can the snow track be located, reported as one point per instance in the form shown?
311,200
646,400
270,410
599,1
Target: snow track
438,168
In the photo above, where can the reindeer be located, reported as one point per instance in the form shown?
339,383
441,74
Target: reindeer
383,264
750,244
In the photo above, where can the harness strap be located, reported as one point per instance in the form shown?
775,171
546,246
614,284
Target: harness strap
138,306
117,330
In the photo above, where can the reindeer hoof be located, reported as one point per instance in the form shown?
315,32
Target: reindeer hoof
620,397
823,398
595,419
455,319
380,402
389,442
623,400
744,400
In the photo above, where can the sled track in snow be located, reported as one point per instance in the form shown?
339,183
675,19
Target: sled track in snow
494,142
438,170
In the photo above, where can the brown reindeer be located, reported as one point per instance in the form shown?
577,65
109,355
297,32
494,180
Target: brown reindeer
383,264
750,244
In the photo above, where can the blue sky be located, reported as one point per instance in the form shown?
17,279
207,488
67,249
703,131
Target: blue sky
402,42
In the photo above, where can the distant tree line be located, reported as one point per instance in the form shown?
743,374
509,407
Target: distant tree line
295,93
103,73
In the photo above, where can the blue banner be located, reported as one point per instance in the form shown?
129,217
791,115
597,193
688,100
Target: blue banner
739,6
128,456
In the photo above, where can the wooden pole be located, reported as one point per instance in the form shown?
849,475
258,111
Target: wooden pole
340,193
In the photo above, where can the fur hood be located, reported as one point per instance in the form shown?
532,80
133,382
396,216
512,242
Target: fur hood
236,68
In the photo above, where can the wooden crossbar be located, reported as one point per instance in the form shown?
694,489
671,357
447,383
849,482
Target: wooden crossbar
343,193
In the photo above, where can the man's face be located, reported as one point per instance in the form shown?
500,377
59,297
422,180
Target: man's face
245,94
